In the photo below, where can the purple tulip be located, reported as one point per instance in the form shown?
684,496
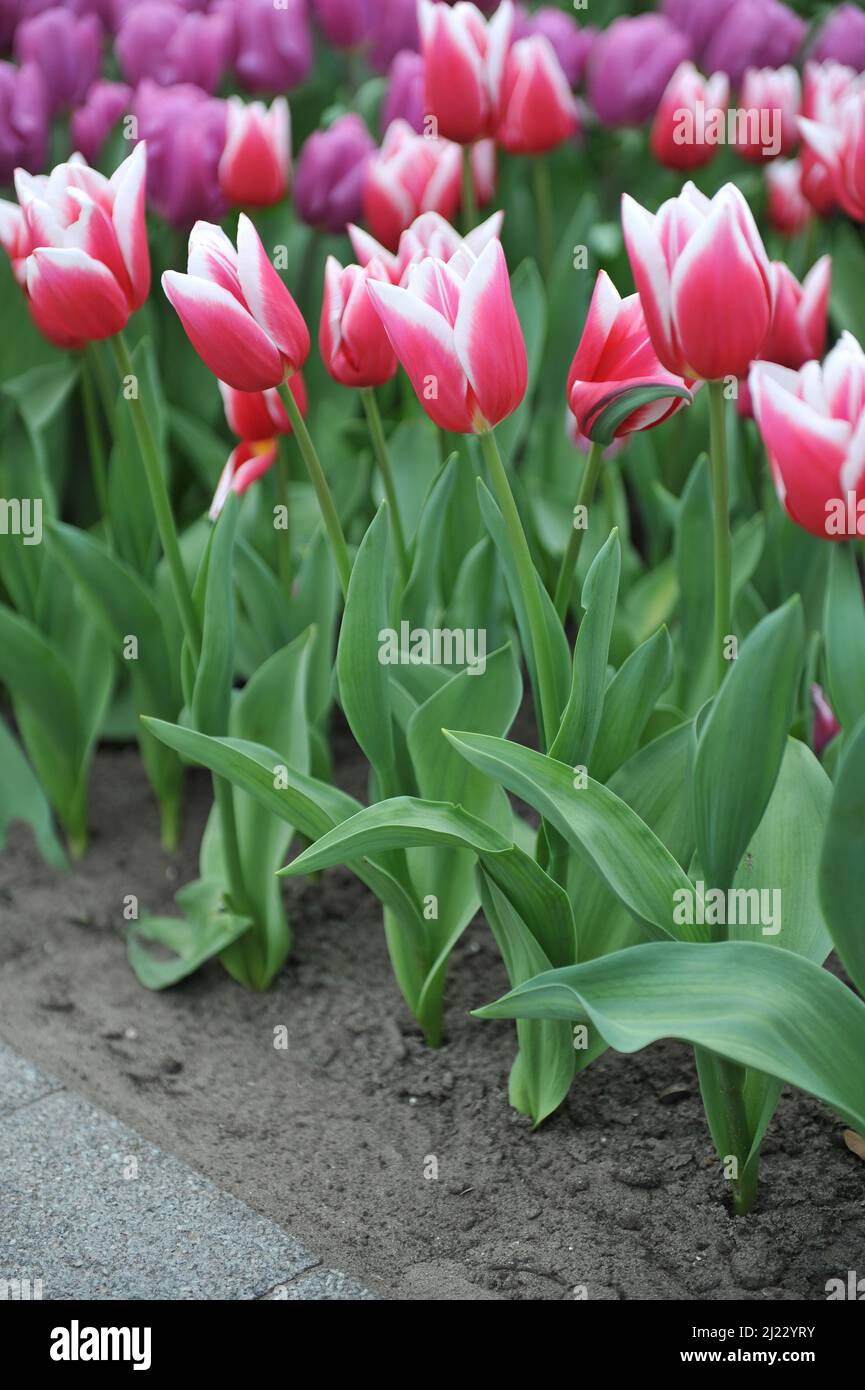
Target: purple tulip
345,23
631,64
328,184
163,41
698,19
394,28
68,49
93,122
754,34
273,46
185,133
24,119
404,99
842,38
571,42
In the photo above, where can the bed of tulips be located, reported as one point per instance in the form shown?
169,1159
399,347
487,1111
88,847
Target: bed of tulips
579,567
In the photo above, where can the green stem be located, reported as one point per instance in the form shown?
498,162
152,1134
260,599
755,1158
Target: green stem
326,503
529,587
588,484
544,212
283,539
223,795
161,505
730,1080
379,444
469,201
721,523
95,445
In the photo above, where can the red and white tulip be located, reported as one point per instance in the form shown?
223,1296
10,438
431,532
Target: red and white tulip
704,280
354,346
454,328
78,246
255,165
429,235
824,87
538,108
769,101
236,311
412,174
256,417
685,129
464,62
787,208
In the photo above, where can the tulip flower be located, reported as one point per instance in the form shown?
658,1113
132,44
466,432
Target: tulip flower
769,101
404,99
24,119
273,44
752,34
616,385
255,417
787,208
161,41
799,320
571,41
414,173
630,65
354,346
255,164
684,131
344,23
841,37
236,311
812,423
454,328
79,248
838,145
464,60
704,280
538,110
66,48
394,30
93,122
824,88
824,725
429,235
185,133
328,186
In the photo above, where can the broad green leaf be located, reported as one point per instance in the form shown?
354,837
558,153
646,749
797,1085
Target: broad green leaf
631,696
742,742
421,595
363,677
212,690
22,799
204,929
844,627
842,868
633,862
582,718
756,1005
399,823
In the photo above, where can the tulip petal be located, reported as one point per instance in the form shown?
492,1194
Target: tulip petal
488,338
652,279
721,304
129,183
424,343
807,450
73,295
269,301
224,333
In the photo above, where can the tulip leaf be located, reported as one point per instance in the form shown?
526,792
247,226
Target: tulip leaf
844,627
630,698
606,418
204,929
742,741
842,868
363,678
211,692
582,717
755,1005
22,799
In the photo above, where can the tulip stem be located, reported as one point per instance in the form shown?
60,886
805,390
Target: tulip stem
379,444
529,587
565,583
95,445
721,522
544,212
326,503
161,504
283,539
470,206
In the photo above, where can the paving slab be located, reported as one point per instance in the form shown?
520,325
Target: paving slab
95,1211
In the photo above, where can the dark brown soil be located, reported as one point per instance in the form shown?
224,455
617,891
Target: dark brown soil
619,1192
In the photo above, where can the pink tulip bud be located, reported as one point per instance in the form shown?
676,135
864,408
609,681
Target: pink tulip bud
615,365
769,99
455,330
538,109
813,426
464,62
684,131
825,726
236,311
704,279
799,320
78,246
354,346
429,235
788,209
824,88
255,165
415,173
